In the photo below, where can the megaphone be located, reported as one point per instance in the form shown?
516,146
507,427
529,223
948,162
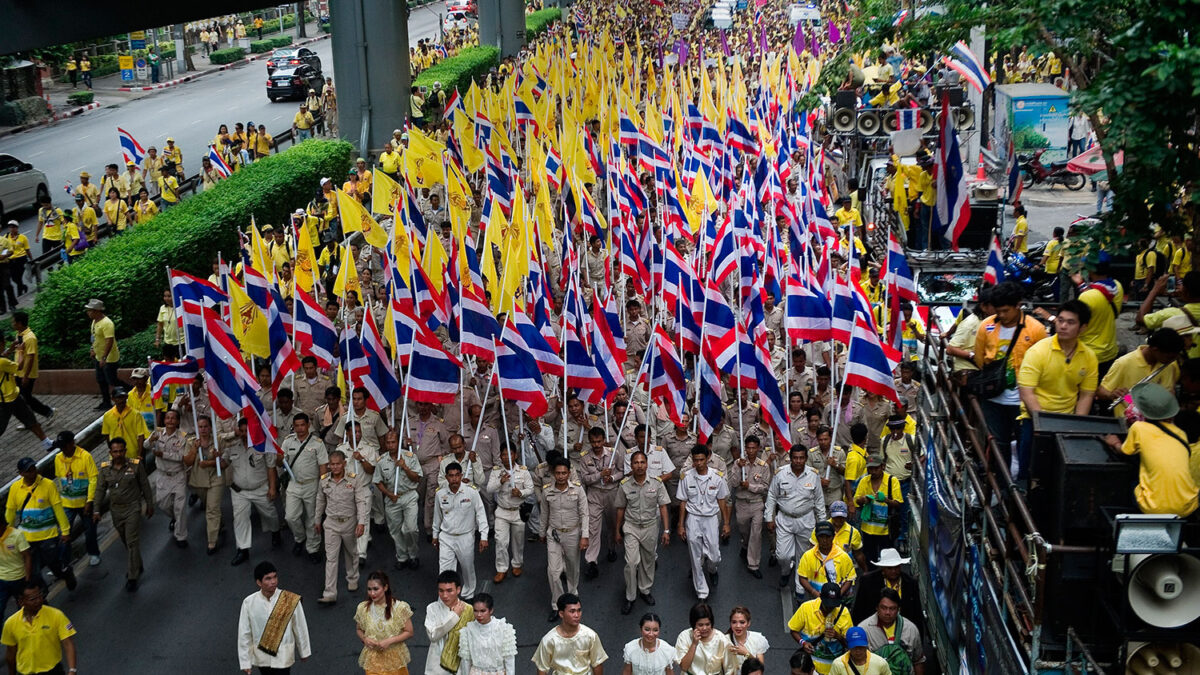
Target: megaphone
843,120
890,123
964,118
1161,657
1163,589
925,121
868,124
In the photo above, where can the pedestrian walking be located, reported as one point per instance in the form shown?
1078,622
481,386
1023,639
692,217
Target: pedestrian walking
703,498
820,625
104,352
12,404
202,457
254,481
601,475
16,564
746,644
168,444
76,474
570,648
85,70
564,515
305,460
383,624
487,645
749,480
302,124
795,503
72,67
122,488
642,522
122,421
342,511
445,618
19,245
510,484
272,631
35,506
702,649
458,517
398,478
152,57
877,495
648,655
39,637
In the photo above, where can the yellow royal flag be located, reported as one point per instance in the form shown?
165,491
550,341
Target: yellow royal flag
248,323
434,260
458,194
385,192
260,253
543,213
701,202
423,159
306,258
347,277
356,218
464,129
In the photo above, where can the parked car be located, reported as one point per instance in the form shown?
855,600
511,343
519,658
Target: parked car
471,8
293,56
21,185
293,82
458,19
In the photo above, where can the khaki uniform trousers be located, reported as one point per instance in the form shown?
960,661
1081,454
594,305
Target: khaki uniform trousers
402,525
243,500
749,516
170,496
428,490
510,533
562,557
602,520
127,521
641,548
299,507
212,496
339,538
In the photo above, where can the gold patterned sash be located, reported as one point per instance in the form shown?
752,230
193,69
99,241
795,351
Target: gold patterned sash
450,658
277,623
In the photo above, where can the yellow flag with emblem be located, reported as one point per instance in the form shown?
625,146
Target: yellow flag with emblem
464,129
248,323
306,257
356,218
260,253
385,193
347,276
701,202
423,159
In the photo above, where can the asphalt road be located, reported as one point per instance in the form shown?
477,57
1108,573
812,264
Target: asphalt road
183,618
190,113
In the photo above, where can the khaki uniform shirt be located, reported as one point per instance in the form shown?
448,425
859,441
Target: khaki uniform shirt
173,447
592,466
311,396
305,458
125,486
519,479
247,468
472,471
756,475
641,501
344,499
796,496
564,510
389,474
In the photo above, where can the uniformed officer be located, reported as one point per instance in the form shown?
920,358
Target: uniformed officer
371,425
330,418
601,474
678,445
169,444
469,461
578,423
428,438
724,441
458,515
252,478
342,510
398,477
564,529
658,462
285,411
305,459
642,522
703,496
310,389
511,484
122,488
830,464
201,457
749,478
795,503
361,456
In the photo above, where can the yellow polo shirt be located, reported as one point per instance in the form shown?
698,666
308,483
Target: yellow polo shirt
812,566
1056,382
1165,483
1101,332
890,487
28,351
12,563
1053,253
38,642
809,622
76,477
856,464
36,509
1131,369
127,425
103,329
849,538
389,162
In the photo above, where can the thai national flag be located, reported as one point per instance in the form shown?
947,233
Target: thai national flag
315,334
263,435
842,324
667,382
607,355
739,136
907,118
993,272
543,353
953,210
283,356
581,370
130,148
441,51
433,373
899,18
219,163
383,388
164,374
866,366
554,168
354,359
771,403
724,254
720,328
500,183
516,373
711,406
807,314
898,271
964,62
190,296
228,375
479,327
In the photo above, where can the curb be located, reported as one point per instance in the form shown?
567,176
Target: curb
227,66
54,118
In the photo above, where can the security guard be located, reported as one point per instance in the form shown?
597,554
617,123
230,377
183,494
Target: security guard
749,478
169,444
642,522
122,488
601,474
457,516
343,508
398,478
703,496
252,477
564,511
304,460
510,484
795,503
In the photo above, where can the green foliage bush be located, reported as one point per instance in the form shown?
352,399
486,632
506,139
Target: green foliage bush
81,97
229,55
538,22
23,111
263,46
128,272
457,72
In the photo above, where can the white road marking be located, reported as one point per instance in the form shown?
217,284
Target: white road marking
84,136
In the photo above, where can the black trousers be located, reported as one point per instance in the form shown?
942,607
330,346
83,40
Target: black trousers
34,404
106,377
19,409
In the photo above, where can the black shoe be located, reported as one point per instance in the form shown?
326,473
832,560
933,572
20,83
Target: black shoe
276,539
785,580
69,577
553,616
131,585
612,555
181,543
591,571
213,550
627,607
315,557
240,557
171,526
362,562
193,499
103,405
298,548
400,565
772,562
757,574
414,564
647,598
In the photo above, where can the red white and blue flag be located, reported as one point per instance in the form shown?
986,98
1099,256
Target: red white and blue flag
964,62
164,374
953,209
516,373
993,272
315,334
130,148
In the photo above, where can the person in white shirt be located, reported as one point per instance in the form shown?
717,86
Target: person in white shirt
487,645
443,616
457,516
272,631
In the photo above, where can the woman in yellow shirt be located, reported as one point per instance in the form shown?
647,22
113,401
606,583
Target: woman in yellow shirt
116,211
1020,234
143,208
1052,258
1165,483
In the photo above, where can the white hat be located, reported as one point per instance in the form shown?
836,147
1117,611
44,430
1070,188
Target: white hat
890,557
1181,324
324,181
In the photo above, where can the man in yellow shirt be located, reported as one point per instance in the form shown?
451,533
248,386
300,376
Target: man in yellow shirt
38,636
1020,233
1165,483
859,660
20,256
104,352
88,190
12,404
877,497
389,161
848,215
1181,260
1156,361
1052,257
122,421
302,124
1104,296
262,142
27,364
820,626
172,153
50,224
35,506
75,473
816,564
168,186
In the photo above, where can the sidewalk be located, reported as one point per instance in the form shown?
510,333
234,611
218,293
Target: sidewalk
73,413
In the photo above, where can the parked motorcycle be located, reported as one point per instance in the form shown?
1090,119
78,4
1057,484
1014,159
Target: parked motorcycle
1023,269
1033,172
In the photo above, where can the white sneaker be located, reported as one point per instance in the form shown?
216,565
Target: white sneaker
53,412
20,427
94,561
47,444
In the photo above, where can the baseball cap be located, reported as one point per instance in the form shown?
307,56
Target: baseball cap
170,140
64,439
838,509
824,528
830,592
25,463
139,373
874,460
856,637
119,392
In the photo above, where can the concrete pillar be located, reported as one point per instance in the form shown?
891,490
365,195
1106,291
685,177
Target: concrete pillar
502,25
370,56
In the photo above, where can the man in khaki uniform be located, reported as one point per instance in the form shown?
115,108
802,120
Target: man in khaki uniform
678,445
122,487
330,418
202,457
169,444
369,422
578,423
749,478
795,504
724,442
361,456
637,334
830,464
428,438
564,529
642,522
284,410
343,507
310,388
304,460
602,471
253,480
398,478
510,484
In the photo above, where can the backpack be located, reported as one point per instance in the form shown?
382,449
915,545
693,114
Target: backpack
897,658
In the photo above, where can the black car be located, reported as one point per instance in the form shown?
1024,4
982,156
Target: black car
293,82
293,56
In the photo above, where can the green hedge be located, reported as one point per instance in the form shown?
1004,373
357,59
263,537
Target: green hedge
127,272
263,46
228,55
457,72
538,22
81,97
23,111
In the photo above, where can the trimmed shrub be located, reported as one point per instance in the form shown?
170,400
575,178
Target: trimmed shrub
281,41
23,111
538,22
127,272
136,347
263,46
222,56
327,27
457,72
81,98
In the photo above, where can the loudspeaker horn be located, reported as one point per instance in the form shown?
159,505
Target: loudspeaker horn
925,122
1164,589
843,120
868,124
890,123
964,118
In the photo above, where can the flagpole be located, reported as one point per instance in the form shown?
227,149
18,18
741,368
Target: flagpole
624,417
500,393
487,390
